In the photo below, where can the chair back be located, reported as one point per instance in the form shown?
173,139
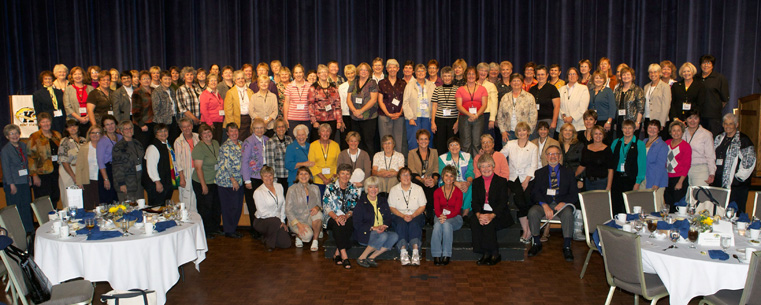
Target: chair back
752,289
643,198
622,256
756,205
16,276
720,194
596,210
11,221
41,207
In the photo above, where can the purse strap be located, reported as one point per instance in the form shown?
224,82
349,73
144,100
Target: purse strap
134,293
710,197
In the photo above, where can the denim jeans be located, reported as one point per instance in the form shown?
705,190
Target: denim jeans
387,239
441,240
422,123
411,232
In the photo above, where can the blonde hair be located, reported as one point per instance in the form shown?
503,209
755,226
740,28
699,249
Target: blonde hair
687,65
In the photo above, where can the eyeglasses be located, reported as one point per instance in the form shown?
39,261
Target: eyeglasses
553,154
95,132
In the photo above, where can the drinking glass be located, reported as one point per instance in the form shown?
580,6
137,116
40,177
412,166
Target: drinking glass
692,209
692,235
638,225
674,236
726,242
73,213
125,226
730,213
665,210
90,224
652,225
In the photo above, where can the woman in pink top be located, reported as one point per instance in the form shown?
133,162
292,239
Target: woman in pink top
472,100
295,107
213,107
678,164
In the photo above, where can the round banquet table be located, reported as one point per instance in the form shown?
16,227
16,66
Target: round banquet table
127,262
688,273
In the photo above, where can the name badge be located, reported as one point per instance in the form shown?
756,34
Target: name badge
328,108
424,106
358,100
686,106
110,112
23,172
621,112
537,107
473,110
395,102
719,162
57,113
487,207
82,110
138,167
54,158
221,112
622,168
445,212
300,107
447,112
326,170
551,192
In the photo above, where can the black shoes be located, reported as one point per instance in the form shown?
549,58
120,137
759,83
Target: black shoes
484,261
437,261
567,254
535,249
495,259
233,235
445,260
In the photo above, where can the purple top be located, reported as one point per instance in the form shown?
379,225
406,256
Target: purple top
391,92
105,150
272,87
253,158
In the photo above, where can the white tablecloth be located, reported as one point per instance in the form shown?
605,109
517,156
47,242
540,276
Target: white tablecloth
136,261
687,273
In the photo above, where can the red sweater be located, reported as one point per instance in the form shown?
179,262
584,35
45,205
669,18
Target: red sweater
454,204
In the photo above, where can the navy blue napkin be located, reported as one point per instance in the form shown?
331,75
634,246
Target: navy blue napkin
134,215
718,254
656,214
681,203
683,226
756,225
743,217
162,226
82,214
733,205
662,225
97,234
633,216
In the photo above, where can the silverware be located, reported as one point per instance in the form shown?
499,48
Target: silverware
670,247
738,258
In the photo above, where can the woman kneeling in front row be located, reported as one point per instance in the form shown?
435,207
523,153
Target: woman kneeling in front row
270,211
372,218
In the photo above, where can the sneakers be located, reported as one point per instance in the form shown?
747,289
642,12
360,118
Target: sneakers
405,258
299,243
315,246
415,258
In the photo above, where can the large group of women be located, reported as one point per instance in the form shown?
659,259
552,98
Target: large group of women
373,156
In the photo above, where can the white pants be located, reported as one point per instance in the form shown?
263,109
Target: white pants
188,197
698,175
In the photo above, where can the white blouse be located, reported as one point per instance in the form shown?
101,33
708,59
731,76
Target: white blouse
395,162
521,160
270,204
406,202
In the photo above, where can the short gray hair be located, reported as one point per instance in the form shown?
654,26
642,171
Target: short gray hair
731,117
485,159
300,127
11,127
188,69
325,126
371,181
654,68
392,62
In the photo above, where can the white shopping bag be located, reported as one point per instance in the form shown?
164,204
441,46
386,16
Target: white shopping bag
74,195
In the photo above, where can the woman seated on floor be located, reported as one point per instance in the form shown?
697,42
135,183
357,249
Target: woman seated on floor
303,207
270,212
372,218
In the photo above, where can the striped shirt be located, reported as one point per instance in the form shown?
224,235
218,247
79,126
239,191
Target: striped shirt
298,110
444,96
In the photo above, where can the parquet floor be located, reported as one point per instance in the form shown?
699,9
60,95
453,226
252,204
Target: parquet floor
241,271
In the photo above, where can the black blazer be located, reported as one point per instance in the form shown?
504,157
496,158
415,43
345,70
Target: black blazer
43,103
363,217
567,192
695,96
498,199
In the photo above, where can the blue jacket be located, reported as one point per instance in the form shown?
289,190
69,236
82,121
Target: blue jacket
604,102
657,156
295,154
364,217
12,163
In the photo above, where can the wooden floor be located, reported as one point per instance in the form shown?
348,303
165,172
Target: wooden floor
241,271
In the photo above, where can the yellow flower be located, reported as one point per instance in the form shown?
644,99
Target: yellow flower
113,209
708,221
124,208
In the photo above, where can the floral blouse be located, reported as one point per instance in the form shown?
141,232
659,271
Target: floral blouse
324,104
41,152
280,98
67,152
228,165
339,201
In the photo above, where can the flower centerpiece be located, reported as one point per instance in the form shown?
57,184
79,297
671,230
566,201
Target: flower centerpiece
117,210
703,221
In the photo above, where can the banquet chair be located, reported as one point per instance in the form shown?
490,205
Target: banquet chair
11,221
596,210
643,198
41,207
622,255
74,292
751,294
756,205
720,194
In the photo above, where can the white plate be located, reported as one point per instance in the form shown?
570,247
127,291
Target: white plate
660,236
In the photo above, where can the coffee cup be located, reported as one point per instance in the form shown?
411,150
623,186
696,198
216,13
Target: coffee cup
64,231
53,215
682,210
636,209
627,227
184,215
141,203
182,206
749,253
149,228
741,225
754,233
56,227
621,217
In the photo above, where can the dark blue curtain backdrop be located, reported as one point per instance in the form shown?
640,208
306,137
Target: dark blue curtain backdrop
136,34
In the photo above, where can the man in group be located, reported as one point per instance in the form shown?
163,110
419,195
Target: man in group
555,193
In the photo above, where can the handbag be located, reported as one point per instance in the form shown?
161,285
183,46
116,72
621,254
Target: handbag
37,283
129,297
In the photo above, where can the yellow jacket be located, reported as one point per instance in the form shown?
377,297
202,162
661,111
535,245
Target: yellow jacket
232,105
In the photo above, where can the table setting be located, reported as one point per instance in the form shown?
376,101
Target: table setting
693,253
126,244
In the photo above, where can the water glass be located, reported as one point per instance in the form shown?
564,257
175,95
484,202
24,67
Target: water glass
638,225
726,242
692,235
665,210
674,236
730,213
